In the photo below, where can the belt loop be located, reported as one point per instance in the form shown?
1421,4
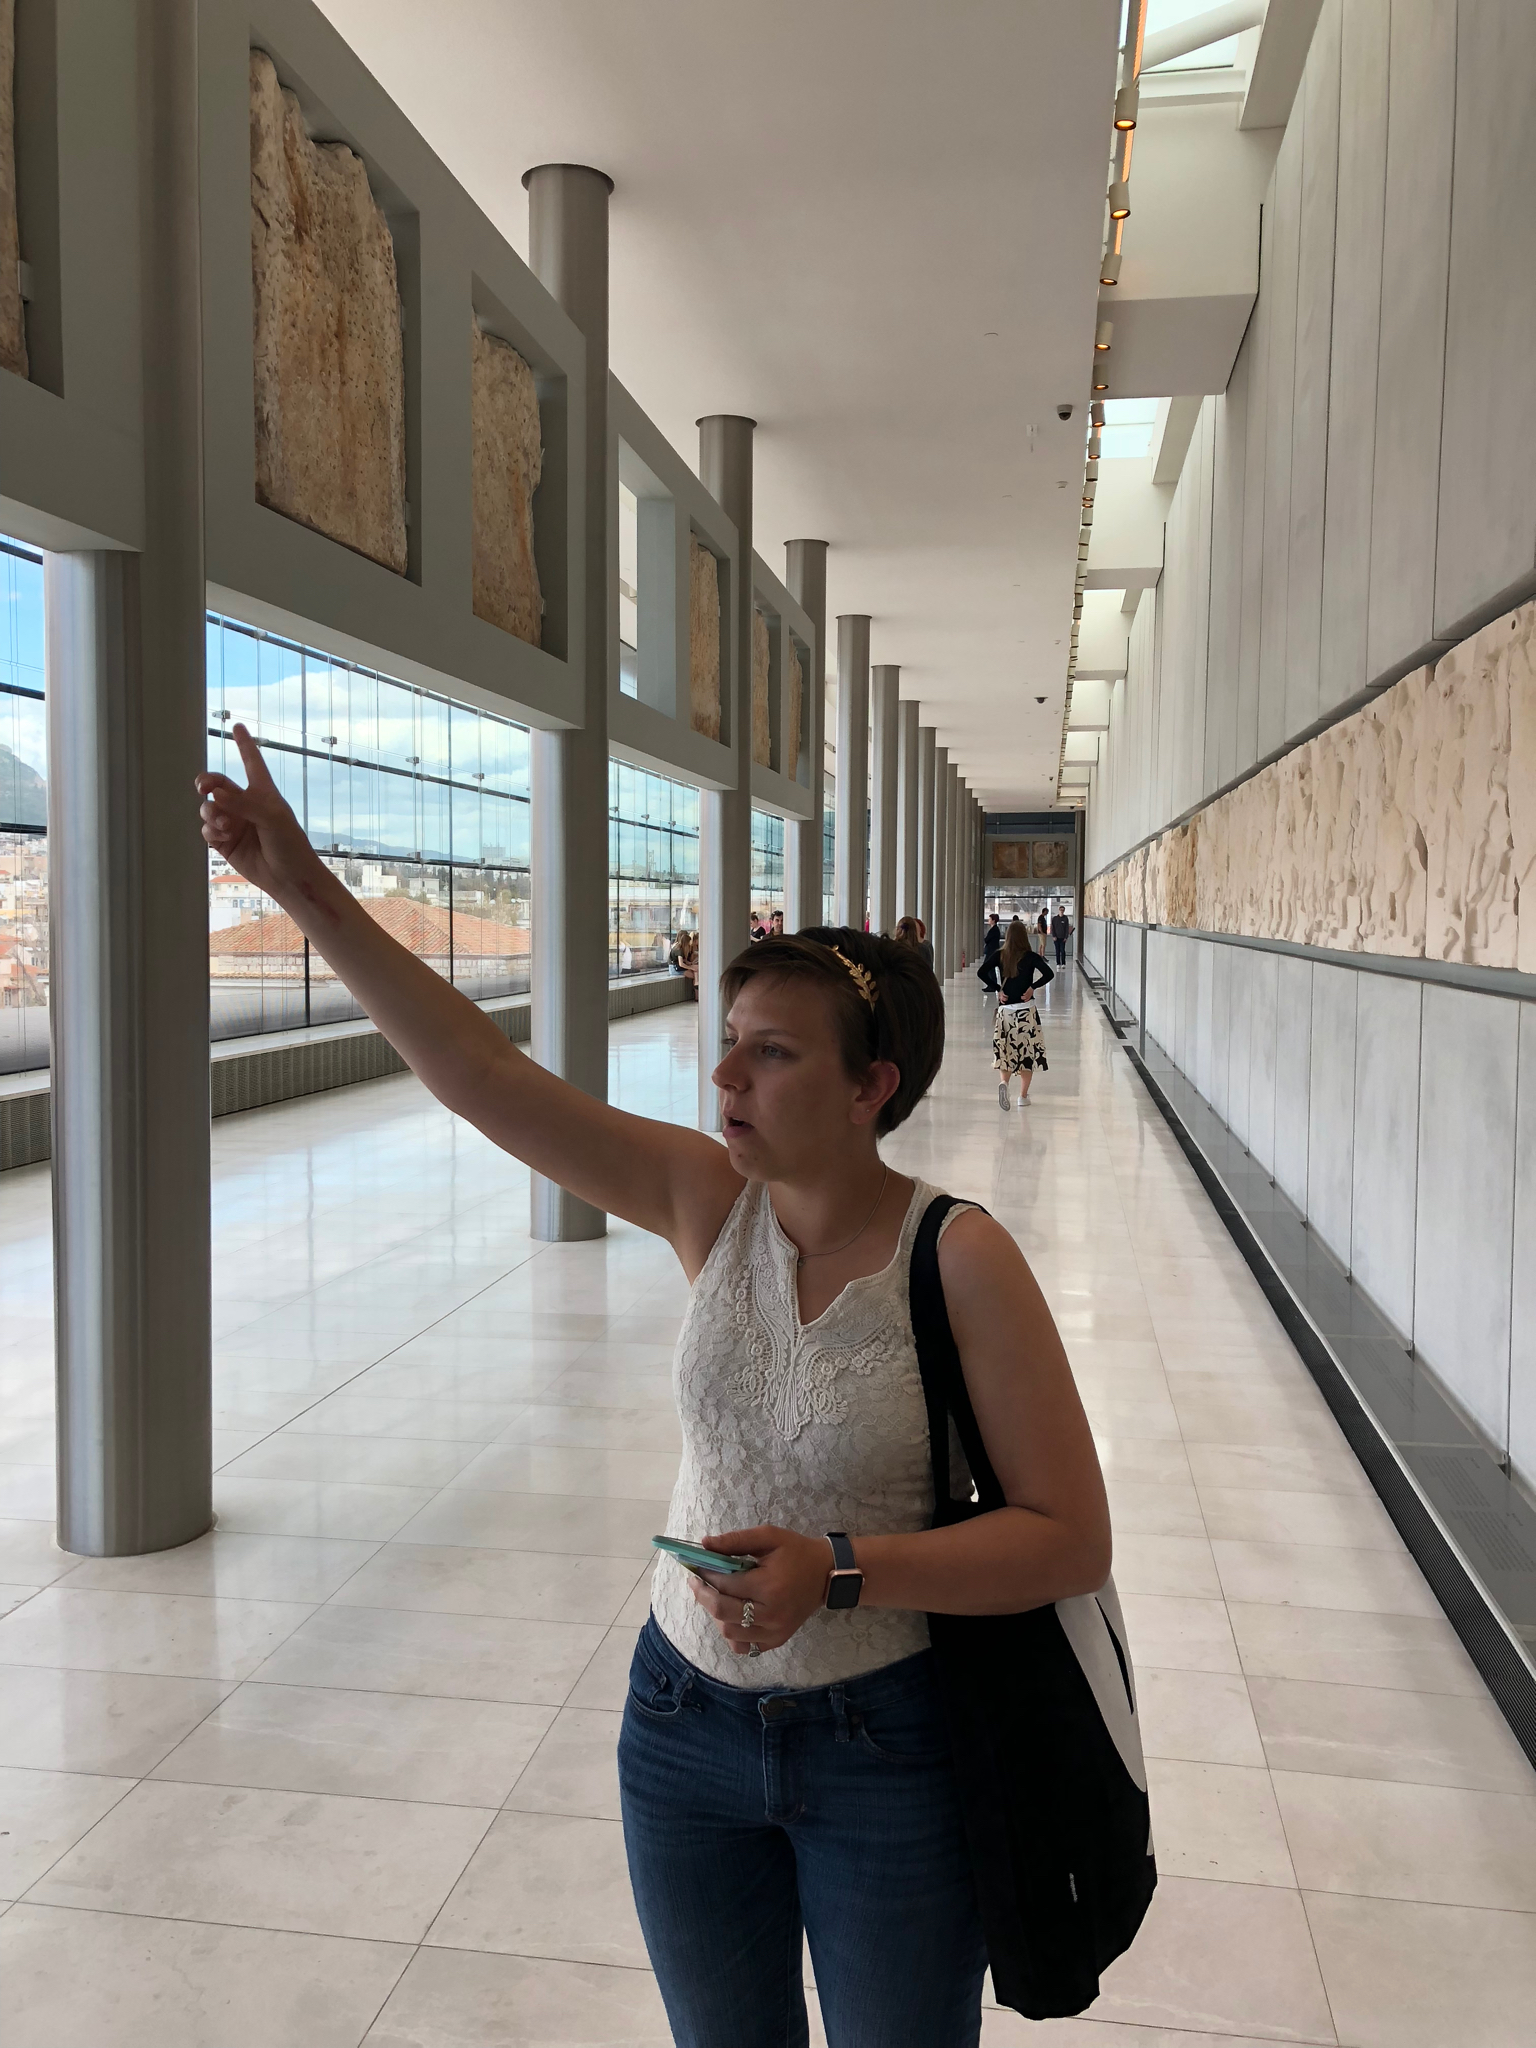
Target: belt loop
839,1712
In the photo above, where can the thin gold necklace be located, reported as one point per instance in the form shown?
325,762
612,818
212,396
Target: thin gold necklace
801,1257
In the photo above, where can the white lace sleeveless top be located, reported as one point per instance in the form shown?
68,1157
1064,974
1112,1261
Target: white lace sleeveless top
812,1427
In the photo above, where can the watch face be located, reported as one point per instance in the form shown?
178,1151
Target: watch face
845,1589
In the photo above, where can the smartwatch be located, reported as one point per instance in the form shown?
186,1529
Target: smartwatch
845,1582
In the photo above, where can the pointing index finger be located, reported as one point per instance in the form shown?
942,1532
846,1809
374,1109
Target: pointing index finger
257,774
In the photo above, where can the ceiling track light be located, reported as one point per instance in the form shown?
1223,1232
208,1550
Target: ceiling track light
1119,200
1127,100
1091,473
1100,379
1096,414
1109,269
1105,335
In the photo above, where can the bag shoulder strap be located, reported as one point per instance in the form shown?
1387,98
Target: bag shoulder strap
938,1361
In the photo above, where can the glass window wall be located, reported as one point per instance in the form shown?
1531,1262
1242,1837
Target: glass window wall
653,866
23,814
420,805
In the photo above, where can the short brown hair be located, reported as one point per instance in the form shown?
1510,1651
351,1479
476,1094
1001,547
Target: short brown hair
905,1024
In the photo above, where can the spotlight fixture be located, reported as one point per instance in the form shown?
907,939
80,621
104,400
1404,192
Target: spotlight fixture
1109,269
1091,473
1095,446
1125,107
1096,415
1100,379
1119,200
1104,336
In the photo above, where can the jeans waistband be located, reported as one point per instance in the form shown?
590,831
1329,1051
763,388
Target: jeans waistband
862,1693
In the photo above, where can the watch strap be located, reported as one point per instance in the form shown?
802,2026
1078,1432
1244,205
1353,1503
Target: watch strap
845,1582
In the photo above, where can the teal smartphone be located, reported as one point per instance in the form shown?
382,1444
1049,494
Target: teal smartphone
698,1559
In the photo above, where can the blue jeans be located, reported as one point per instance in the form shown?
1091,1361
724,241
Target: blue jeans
749,1816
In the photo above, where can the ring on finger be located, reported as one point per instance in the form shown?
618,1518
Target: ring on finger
748,1613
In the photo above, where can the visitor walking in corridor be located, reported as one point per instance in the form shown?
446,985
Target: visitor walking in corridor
991,948
1061,931
784,1762
1018,1044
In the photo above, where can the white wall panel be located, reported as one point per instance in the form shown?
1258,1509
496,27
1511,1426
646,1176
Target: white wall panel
1201,1072
1362,186
1522,1354
1331,1107
1231,429
1251,600
1487,524
1263,1000
1386,1144
1416,244
1219,1094
1293,1077
1240,1041
1279,408
1465,1244
1309,423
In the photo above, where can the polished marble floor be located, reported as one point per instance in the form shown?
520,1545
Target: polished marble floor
342,1770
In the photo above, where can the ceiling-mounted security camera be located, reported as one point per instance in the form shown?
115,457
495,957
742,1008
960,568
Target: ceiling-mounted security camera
1039,700
1063,412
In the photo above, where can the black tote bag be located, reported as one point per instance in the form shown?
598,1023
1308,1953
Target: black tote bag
1042,1720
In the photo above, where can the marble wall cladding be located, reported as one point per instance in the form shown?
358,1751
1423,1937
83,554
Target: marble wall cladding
762,725
1408,828
795,710
329,361
13,335
507,458
703,640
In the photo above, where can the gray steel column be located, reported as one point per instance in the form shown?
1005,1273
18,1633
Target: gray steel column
568,251
906,809
128,894
805,577
938,929
725,816
884,715
852,886
926,740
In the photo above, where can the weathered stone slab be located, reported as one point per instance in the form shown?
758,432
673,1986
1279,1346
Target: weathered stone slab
13,333
762,729
703,640
330,371
507,462
795,712
1407,829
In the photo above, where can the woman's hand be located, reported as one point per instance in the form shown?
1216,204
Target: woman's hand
786,1589
254,828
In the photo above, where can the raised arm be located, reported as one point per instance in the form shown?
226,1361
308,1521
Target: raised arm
677,1183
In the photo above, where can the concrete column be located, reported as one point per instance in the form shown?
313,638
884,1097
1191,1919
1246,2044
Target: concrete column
852,768
884,718
938,929
925,806
907,776
568,251
128,894
952,801
725,816
805,577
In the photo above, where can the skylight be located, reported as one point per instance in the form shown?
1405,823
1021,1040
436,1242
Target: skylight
1128,424
1163,14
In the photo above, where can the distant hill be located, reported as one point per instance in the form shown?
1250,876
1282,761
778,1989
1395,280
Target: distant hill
23,792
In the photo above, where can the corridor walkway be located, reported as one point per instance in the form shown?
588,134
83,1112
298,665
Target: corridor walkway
343,1769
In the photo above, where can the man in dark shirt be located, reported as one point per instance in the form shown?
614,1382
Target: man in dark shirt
991,948
1061,931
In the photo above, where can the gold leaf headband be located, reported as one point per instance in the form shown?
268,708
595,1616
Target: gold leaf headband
863,980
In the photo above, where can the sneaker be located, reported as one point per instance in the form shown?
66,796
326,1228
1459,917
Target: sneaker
1002,1096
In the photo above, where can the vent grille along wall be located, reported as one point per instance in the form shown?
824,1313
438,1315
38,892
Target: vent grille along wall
330,370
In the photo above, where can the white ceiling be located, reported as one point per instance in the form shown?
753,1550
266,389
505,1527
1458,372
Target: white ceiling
872,225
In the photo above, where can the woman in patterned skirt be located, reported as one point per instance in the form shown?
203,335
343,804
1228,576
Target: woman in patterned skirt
1018,1044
